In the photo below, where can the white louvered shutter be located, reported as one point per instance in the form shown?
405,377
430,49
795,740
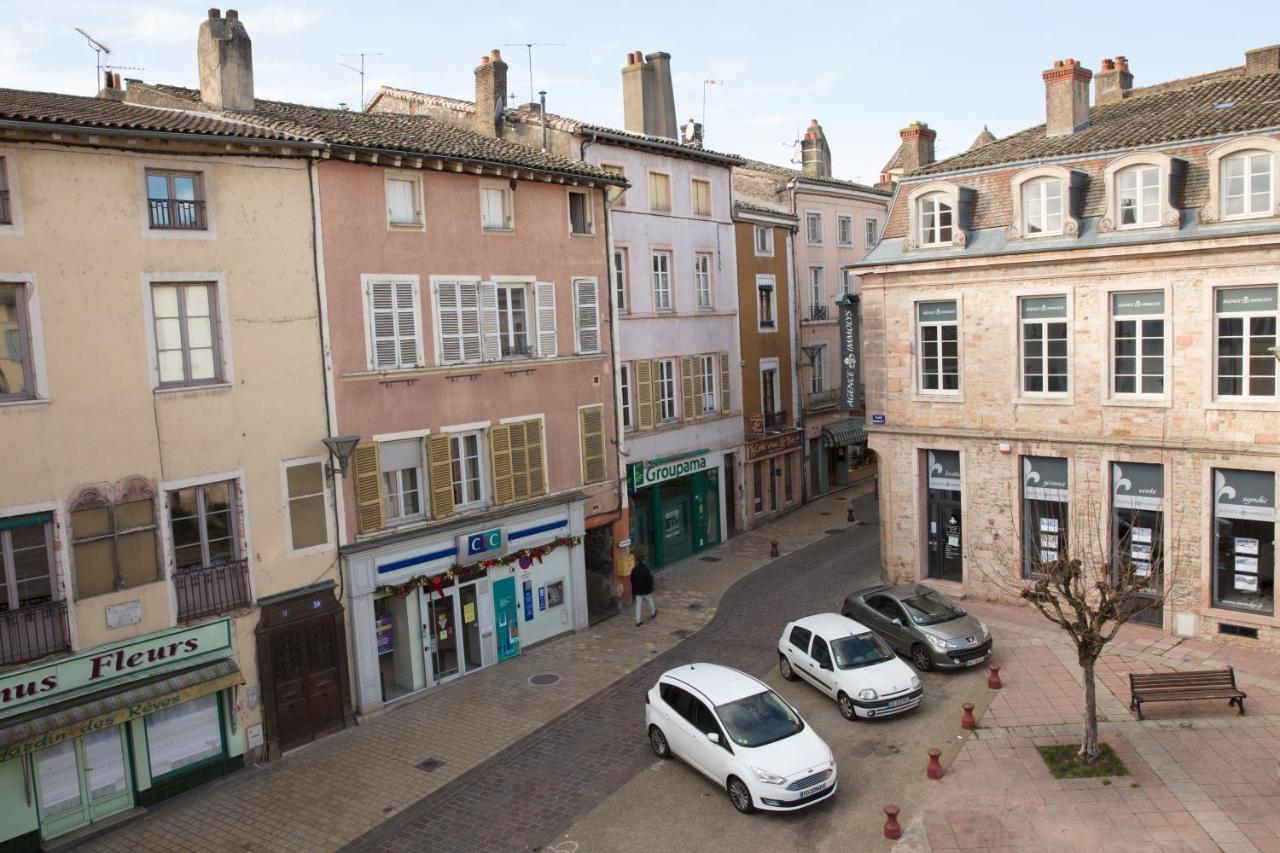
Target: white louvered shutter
406,325
490,332
394,323
450,322
469,312
586,315
545,304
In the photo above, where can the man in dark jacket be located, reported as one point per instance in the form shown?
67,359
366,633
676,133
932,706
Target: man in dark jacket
642,586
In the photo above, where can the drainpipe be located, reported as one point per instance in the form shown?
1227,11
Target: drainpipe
797,396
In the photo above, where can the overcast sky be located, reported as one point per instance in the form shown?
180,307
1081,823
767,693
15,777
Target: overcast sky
864,70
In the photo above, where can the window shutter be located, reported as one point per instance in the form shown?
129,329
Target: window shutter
545,299
643,385
450,322
382,318
368,487
469,313
534,451
406,325
700,364
724,382
686,387
490,334
500,459
440,475
591,426
519,463
587,315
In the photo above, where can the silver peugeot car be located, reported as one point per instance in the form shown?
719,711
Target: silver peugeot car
922,623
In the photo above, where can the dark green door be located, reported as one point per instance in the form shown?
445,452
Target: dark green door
675,521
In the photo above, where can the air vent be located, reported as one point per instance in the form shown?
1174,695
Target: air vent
1237,631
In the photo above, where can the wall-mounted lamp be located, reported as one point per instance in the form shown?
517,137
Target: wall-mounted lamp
340,449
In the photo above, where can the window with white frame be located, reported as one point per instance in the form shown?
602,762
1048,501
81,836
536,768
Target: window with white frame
818,376
186,333
659,191
769,386
844,230
458,313
305,500
402,202
464,459
764,301
402,480
581,220
938,334
1246,184
666,389
513,320
702,278
393,323
817,293
496,207
705,379
1042,206
872,228
624,380
764,241
848,281
620,262
1138,196
17,374
661,281
936,220
1246,331
1045,367
700,192
813,228
26,561
1137,343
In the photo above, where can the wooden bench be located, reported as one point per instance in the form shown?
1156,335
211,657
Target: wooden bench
1170,686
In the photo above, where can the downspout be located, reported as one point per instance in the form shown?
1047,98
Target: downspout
797,395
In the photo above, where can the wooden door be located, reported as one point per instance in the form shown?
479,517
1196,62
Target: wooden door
289,672
324,676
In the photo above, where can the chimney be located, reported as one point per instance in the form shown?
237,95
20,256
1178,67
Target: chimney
1262,60
225,56
691,134
636,92
815,154
917,146
661,103
491,95
112,87
1066,97
1113,83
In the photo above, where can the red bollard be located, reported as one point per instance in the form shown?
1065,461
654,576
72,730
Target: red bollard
968,721
773,549
935,766
850,516
993,680
892,829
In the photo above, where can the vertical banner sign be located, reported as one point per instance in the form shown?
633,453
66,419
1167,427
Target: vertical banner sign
850,352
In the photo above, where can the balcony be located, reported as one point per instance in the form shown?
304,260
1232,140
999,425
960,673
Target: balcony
6,215
775,420
210,590
32,632
815,400
817,313
516,349
173,214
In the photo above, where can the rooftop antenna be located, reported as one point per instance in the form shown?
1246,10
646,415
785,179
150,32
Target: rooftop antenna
100,50
705,84
529,46
359,71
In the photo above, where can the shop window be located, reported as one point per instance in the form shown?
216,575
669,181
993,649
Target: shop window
464,461
1137,527
757,487
401,668
938,331
1045,512
184,736
17,379
306,498
788,488
1244,540
944,516
114,541
1137,343
1045,367
402,480
1246,331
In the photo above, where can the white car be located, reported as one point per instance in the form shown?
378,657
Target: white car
740,733
850,663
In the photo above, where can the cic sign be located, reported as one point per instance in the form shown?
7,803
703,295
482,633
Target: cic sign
642,474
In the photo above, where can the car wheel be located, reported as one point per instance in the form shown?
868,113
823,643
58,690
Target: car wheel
921,658
785,665
740,795
658,741
847,709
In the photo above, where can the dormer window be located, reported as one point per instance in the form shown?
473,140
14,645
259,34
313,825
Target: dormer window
1140,190
936,216
1042,206
1138,195
940,212
1246,184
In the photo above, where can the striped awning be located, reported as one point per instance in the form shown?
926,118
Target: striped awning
845,433
65,721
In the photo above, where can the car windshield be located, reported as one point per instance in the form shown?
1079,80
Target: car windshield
931,608
862,650
759,719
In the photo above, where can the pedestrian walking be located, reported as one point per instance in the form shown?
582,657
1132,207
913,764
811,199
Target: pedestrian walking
642,587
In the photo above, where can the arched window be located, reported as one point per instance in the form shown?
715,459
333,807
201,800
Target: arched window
1138,196
1042,206
936,219
1246,181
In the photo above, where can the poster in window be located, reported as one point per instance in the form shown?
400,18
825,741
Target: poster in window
386,639
1142,534
1142,568
1049,540
1246,583
1245,545
1048,525
1248,565
1140,552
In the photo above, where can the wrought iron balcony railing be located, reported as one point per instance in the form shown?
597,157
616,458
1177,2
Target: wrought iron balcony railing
177,214
210,590
33,631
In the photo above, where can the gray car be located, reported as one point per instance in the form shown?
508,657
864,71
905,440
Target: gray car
923,624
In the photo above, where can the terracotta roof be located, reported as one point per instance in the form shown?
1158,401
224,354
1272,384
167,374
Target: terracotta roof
756,206
895,162
796,174
1209,105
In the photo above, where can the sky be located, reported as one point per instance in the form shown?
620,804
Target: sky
863,70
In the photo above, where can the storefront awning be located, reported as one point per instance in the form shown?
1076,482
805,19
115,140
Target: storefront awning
65,721
844,433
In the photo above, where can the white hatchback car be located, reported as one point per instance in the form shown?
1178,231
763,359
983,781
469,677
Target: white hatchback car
740,733
850,663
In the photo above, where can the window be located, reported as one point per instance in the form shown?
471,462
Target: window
764,290
662,281
659,191
517,456
1137,523
1045,504
591,434
628,418
1244,540
402,480
26,562
757,491
705,381
1138,193
813,228
16,375
186,329
464,459
1246,329
308,521
620,261
184,735
402,202
394,328
848,281
820,653
6,210
769,389
458,313
581,221
788,487
817,293
764,241
617,195
666,389
175,200
800,638
1042,206
844,230
938,331
1246,184
700,194
586,304
1044,344
872,227
513,320
202,520
496,208
702,279
113,543
1137,343
818,377
935,221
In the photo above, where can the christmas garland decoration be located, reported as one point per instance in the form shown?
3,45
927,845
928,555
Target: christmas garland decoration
438,581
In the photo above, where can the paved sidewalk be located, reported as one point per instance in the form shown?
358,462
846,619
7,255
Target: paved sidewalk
1200,777
329,793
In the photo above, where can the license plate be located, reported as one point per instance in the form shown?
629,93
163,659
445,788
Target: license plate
898,703
975,661
809,792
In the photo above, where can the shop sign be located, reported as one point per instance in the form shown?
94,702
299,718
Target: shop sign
850,347
1246,495
1044,308
944,469
1044,478
1247,299
1137,304
642,474
99,667
772,445
1136,485
490,543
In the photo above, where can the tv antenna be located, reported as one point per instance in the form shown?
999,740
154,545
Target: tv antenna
705,84
359,71
529,46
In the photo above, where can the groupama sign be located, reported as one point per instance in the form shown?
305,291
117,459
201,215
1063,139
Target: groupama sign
643,474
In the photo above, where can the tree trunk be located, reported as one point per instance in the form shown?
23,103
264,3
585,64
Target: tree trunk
1089,737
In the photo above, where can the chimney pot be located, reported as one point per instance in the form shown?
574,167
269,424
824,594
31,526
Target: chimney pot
495,55
639,56
215,14
1113,83
233,15
484,60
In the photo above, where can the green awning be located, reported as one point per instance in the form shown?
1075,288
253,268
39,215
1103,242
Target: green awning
845,433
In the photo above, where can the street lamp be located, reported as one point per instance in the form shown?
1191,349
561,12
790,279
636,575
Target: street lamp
340,449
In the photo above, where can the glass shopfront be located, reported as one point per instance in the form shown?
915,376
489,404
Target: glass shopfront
400,664
943,516
1244,540
1045,512
675,507
1137,532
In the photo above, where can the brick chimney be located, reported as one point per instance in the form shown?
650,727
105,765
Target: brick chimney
225,56
1262,60
491,94
1113,83
917,146
648,100
815,153
1066,97
112,86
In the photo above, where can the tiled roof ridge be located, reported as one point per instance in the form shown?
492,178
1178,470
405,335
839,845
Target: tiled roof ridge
760,165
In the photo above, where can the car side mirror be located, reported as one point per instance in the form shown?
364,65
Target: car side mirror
714,737
897,621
